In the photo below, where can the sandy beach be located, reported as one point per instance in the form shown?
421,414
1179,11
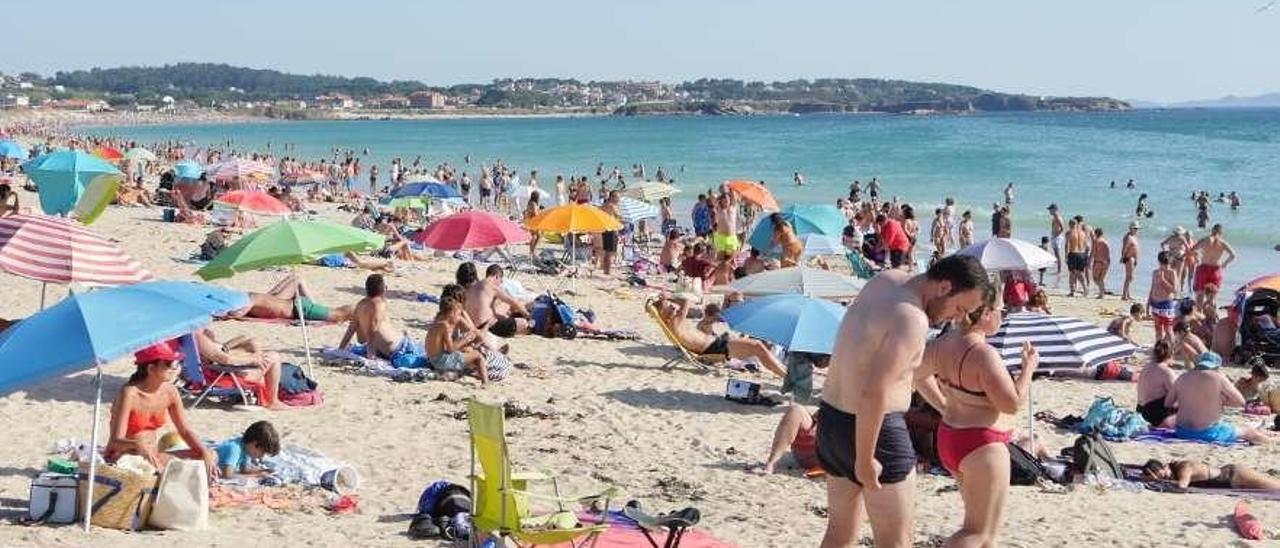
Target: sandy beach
667,438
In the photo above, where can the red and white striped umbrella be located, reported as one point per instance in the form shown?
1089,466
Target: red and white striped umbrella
246,170
58,250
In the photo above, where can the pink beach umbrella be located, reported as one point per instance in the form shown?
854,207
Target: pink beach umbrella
471,230
253,201
62,251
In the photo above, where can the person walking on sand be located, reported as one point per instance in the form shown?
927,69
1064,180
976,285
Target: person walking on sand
1215,254
1056,231
1077,248
863,442
1129,259
1100,257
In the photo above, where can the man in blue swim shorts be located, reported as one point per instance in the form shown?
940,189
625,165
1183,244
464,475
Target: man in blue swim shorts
1200,396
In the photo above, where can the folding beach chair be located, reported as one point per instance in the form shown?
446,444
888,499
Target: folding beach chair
502,497
701,361
195,383
674,524
860,266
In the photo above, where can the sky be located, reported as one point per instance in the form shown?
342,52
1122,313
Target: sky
1155,50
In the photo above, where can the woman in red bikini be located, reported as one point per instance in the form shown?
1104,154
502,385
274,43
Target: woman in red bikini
145,404
978,398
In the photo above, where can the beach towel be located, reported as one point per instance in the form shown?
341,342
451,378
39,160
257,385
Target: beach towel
335,260
372,366
623,532
297,465
1167,435
1110,421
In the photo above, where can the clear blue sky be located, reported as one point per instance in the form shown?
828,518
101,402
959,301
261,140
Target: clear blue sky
1134,49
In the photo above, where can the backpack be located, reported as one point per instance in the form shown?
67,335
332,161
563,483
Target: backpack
293,380
1110,421
1091,455
553,317
1024,468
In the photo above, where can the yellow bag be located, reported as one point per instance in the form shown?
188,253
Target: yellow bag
122,498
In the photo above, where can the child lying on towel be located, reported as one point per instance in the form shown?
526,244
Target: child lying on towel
237,456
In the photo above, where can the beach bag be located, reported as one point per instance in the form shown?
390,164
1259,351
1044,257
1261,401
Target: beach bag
122,498
1024,468
1091,455
182,500
1110,421
293,380
553,317
53,498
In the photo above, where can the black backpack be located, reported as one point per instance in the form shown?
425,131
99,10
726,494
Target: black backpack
1091,455
1024,468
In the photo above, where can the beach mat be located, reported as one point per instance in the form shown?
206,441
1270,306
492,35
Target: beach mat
1255,494
624,533
280,321
1166,435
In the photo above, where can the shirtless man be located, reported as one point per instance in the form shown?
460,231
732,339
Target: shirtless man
1100,257
1215,254
279,304
725,238
1077,257
1056,230
370,324
1199,396
863,443
1179,252
938,232
490,306
1129,259
674,313
1161,304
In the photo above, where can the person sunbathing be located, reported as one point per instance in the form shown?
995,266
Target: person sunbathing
244,352
492,308
372,327
1200,396
1187,473
796,431
449,354
236,456
1154,385
279,304
675,313
145,404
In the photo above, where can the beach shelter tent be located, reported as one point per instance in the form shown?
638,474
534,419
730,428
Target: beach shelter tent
471,230
60,250
11,149
66,176
289,243
799,280
242,169
755,193
91,329
805,219
797,322
1001,254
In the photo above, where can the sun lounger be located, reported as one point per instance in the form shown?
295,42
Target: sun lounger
226,383
704,361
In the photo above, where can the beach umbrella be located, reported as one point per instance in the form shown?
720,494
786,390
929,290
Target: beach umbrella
755,193
1268,281
822,244
187,170
522,193
999,254
471,230
426,190
804,219
799,280
633,210
797,322
65,176
11,149
305,177
254,201
650,191
240,168
110,154
61,251
1063,342
139,154
87,330
289,243
573,218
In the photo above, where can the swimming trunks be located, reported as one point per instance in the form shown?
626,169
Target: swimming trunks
1164,313
1154,411
954,444
725,243
448,361
1207,274
1218,432
719,346
804,447
609,241
311,310
505,328
836,431
1077,262
1059,241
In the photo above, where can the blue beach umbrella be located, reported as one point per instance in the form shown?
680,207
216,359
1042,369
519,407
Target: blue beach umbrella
90,329
64,176
805,219
11,149
187,170
801,324
426,190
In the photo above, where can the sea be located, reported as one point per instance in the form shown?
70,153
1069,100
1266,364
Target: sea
1065,158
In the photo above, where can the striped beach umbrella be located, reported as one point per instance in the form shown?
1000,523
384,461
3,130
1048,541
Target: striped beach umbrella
61,251
799,280
650,191
1063,342
245,170
633,210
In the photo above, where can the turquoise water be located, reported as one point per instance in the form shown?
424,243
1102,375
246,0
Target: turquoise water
1067,158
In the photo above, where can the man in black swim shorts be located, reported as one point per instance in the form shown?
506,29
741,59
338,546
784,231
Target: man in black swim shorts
862,438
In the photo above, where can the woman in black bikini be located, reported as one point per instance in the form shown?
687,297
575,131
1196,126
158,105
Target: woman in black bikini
1187,473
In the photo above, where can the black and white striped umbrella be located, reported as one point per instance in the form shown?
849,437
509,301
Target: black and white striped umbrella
1063,342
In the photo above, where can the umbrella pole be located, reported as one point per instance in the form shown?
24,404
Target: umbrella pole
43,287
93,448
1031,418
306,338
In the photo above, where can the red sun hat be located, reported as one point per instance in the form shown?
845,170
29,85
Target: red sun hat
157,352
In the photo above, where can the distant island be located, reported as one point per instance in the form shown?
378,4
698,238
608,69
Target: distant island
219,87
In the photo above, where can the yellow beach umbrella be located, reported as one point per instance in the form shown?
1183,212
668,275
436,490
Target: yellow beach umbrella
575,218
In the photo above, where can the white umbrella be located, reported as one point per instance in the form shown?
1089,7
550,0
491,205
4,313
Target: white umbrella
799,280
999,254
822,244
650,191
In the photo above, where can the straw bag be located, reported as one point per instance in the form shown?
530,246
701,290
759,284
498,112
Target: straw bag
182,500
121,498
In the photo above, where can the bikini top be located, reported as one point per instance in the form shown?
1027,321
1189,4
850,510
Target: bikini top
959,373
139,422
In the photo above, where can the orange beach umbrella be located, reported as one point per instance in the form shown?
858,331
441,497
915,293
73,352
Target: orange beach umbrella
575,218
755,193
